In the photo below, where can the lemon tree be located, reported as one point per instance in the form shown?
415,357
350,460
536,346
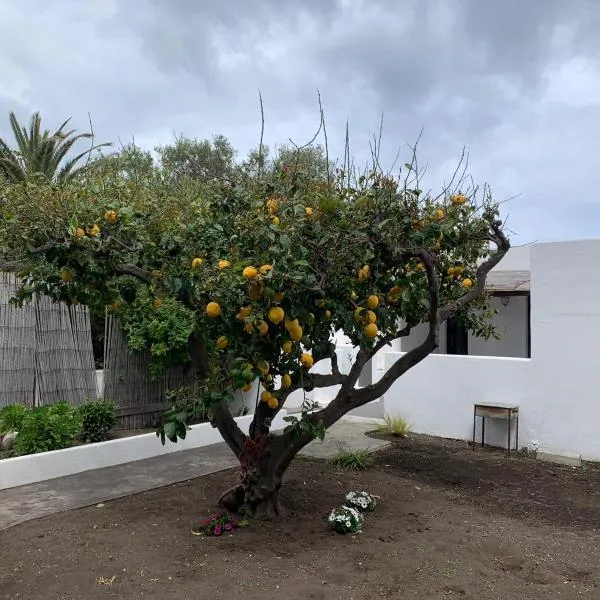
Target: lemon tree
248,278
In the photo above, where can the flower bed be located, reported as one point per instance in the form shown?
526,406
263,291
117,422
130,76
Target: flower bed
32,468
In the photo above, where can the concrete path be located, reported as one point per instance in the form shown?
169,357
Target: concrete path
100,485
346,434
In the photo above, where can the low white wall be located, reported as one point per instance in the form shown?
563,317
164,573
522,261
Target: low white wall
32,468
437,396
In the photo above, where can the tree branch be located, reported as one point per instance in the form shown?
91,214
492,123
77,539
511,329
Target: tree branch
414,356
223,420
136,272
503,246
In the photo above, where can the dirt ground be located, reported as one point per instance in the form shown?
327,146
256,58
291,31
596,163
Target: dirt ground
451,523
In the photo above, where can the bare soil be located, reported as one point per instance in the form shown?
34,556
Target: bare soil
451,523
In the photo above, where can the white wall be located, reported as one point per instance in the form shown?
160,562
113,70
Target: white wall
557,389
511,324
437,395
565,329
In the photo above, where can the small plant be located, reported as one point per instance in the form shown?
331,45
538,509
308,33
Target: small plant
218,524
48,428
362,501
11,418
352,460
395,426
345,519
98,417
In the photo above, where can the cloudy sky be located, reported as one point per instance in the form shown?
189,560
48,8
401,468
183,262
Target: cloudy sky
516,82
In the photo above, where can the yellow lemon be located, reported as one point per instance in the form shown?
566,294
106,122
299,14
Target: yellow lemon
80,232
357,314
248,328
372,301
263,366
353,295
265,269
66,275
272,205
327,315
440,214
309,211
370,330
273,403
306,360
266,396
276,314
451,272
371,317
250,273
296,333
222,342
275,220
110,216
196,262
263,328
223,264
213,310
287,347
94,231
458,199
244,312
286,381
467,283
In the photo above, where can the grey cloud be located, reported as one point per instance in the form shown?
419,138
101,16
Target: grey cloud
517,82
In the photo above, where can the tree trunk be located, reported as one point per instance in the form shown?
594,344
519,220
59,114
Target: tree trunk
264,461
256,497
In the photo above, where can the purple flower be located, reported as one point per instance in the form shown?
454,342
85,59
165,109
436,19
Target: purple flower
228,526
218,530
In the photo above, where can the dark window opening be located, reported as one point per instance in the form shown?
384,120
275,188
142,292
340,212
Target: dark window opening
457,337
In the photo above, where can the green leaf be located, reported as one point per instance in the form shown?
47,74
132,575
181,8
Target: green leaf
285,241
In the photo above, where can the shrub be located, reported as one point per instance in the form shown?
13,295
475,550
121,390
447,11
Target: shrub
48,428
362,501
352,460
395,426
98,417
11,418
345,519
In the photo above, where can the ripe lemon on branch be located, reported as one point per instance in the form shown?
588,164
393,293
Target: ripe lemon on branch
213,310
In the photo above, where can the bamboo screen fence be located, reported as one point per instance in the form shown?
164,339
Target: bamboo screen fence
140,400
45,351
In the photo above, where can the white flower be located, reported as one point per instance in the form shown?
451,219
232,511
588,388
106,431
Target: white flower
361,500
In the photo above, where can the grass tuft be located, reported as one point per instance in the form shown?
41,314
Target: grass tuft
396,426
352,460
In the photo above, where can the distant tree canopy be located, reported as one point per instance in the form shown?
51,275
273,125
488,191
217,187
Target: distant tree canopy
42,153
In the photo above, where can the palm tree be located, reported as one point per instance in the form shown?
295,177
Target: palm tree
42,152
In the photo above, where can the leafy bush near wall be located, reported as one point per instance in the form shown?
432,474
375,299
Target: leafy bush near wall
98,417
11,418
48,428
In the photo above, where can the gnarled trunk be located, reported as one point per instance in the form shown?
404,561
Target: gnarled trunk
256,497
